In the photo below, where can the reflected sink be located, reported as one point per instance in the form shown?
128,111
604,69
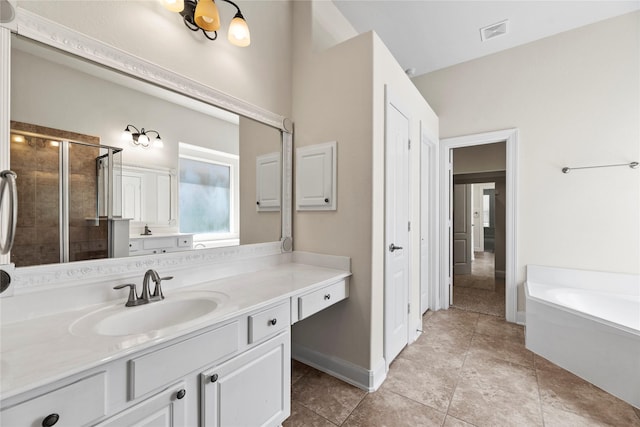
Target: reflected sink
178,309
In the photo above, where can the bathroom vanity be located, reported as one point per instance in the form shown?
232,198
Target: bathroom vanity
160,244
162,365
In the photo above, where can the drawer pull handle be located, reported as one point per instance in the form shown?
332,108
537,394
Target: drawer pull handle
326,200
181,393
327,296
273,322
50,420
214,378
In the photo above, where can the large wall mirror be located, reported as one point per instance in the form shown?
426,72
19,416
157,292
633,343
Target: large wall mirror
187,175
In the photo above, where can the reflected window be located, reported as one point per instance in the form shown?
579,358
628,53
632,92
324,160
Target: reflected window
205,197
207,193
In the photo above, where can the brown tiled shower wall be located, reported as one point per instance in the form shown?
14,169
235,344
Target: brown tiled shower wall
36,161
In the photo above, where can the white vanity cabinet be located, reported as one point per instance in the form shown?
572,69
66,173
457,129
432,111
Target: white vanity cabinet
167,408
76,404
236,371
250,390
161,244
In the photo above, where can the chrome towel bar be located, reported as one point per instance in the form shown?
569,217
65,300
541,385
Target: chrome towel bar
632,165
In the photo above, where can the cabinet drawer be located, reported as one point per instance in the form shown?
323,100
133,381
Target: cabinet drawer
134,245
159,243
154,370
322,298
77,404
268,322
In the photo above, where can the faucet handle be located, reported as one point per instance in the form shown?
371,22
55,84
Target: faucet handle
157,292
133,297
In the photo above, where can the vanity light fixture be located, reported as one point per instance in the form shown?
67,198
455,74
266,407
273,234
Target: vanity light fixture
140,137
203,15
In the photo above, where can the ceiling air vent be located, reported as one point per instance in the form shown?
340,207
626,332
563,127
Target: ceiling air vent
494,30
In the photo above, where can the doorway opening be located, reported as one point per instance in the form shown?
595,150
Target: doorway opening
509,138
478,283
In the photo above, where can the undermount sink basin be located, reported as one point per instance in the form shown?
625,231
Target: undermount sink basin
179,309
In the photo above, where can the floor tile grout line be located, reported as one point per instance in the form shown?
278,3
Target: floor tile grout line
354,408
320,415
535,368
466,354
418,402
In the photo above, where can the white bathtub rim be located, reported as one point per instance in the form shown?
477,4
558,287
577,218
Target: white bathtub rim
582,314
618,283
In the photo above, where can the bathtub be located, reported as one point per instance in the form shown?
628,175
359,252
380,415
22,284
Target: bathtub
587,322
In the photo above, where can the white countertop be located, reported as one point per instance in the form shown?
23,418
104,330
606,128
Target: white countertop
39,351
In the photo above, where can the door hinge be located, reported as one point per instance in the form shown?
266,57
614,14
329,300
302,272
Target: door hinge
409,308
450,166
409,226
409,144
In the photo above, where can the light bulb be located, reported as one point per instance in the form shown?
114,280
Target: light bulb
173,5
17,138
126,135
206,15
239,32
143,140
157,143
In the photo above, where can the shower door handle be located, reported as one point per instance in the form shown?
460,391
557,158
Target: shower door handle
8,181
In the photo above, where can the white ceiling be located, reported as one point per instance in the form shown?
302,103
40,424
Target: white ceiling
429,35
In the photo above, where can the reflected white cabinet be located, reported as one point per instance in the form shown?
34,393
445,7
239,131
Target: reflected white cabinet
148,195
316,177
268,188
165,409
146,245
252,389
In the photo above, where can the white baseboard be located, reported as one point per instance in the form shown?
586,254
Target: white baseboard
499,274
355,375
521,317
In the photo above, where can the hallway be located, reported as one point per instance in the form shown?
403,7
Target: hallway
466,369
480,291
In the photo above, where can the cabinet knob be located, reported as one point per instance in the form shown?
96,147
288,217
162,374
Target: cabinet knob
326,200
50,420
327,296
214,378
181,393
273,321
258,203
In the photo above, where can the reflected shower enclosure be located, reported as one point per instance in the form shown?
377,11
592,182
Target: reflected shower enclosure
65,196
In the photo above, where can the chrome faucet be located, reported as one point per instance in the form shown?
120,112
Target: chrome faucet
146,296
146,232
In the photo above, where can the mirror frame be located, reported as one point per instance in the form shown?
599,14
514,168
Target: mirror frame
42,30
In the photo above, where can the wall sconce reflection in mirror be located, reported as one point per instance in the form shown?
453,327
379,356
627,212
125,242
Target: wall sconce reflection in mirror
203,15
141,138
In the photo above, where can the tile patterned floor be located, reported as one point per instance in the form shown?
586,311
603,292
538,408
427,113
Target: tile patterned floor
466,369
480,291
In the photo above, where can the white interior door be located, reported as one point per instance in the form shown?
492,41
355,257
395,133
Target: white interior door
396,230
462,231
478,230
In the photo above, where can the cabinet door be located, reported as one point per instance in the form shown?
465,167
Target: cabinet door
316,177
251,390
268,171
165,409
